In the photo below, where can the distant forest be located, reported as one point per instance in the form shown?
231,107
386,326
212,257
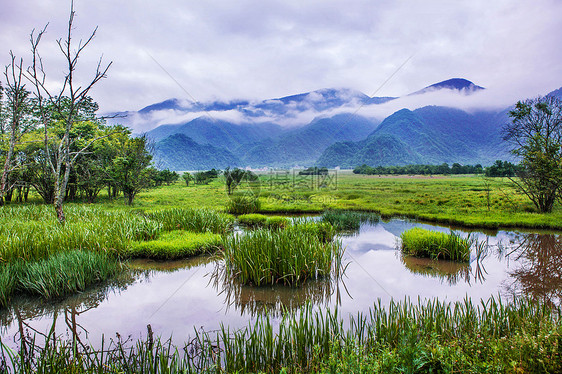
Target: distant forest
498,169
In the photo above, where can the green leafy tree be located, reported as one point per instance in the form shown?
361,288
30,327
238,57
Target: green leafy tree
233,177
15,122
535,134
187,177
132,169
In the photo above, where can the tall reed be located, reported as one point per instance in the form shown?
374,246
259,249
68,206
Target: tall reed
427,336
32,232
289,256
59,275
348,220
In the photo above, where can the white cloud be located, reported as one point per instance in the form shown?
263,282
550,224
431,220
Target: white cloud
257,50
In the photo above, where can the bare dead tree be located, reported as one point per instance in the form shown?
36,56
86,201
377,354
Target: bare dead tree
65,104
17,105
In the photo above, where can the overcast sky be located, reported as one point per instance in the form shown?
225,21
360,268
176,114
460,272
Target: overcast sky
259,49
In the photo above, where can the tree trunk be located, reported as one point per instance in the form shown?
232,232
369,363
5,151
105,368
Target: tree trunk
6,170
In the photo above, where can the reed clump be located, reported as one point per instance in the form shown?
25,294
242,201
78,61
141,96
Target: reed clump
59,275
289,256
253,220
347,220
436,245
33,233
242,204
175,244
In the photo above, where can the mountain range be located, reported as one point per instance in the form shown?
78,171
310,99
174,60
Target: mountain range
323,128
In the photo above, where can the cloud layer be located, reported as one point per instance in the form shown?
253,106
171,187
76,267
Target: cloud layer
254,49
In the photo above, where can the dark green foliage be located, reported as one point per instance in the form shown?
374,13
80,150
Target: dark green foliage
436,245
205,177
166,176
187,177
131,171
236,177
502,169
419,169
348,220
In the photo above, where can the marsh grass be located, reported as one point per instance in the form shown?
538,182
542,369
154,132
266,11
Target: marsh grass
175,245
60,275
323,230
191,219
289,256
427,336
436,245
32,232
348,220
241,204
255,220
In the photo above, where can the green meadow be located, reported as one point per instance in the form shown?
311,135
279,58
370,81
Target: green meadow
43,259
470,201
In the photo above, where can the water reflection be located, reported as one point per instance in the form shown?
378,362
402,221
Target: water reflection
63,316
276,299
174,297
450,272
539,271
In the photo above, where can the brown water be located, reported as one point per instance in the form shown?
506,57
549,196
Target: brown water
177,297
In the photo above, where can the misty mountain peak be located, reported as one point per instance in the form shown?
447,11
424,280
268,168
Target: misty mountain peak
456,84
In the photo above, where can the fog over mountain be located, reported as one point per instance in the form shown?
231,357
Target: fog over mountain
449,121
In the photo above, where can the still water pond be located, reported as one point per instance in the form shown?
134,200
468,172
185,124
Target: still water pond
177,297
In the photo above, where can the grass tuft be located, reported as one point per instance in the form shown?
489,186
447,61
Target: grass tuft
175,244
436,245
348,220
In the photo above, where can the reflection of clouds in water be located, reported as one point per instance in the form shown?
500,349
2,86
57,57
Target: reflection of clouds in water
187,299
370,238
